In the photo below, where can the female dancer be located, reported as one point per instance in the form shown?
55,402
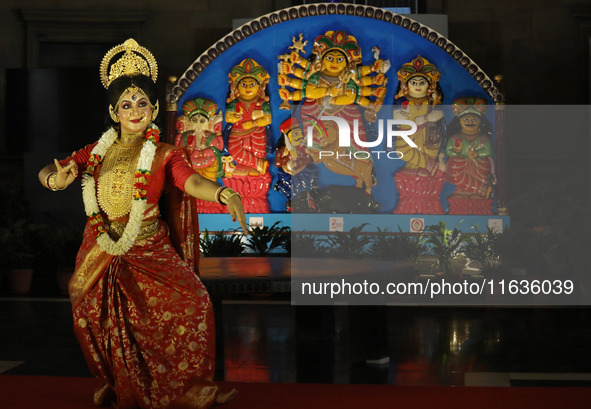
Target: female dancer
142,316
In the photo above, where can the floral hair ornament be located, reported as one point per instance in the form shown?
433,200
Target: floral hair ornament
140,192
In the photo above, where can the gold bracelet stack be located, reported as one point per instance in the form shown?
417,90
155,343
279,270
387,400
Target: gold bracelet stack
225,194
50,182
217,194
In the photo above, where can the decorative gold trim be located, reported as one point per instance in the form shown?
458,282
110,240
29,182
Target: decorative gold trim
115,182
155,110
294,13
226,194
135,60
148,229
51,182
113,114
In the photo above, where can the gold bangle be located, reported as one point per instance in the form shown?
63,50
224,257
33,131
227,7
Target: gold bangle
51,182
226,194
217,194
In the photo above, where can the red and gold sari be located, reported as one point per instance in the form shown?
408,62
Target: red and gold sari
144,320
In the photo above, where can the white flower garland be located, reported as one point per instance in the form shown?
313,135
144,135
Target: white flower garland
138,205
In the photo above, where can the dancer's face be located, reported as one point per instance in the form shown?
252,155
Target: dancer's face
135,112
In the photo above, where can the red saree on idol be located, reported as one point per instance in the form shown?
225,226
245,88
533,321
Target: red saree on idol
144,320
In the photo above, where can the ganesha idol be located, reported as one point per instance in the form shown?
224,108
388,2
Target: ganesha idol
333,82
420,181
471,166
199,132
248,114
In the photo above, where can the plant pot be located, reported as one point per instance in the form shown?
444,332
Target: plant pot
426,265
457,265
472,268
63,276
19,280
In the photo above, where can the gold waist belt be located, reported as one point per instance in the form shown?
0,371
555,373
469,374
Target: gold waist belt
147,230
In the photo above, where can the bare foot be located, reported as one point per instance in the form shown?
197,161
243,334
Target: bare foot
225,397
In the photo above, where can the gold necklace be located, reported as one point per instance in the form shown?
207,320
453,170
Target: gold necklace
131,140
417,101
115,183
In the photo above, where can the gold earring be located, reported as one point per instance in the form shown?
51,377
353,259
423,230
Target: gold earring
155,110
113,114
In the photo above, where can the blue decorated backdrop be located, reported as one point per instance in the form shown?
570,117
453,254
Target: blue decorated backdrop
396,43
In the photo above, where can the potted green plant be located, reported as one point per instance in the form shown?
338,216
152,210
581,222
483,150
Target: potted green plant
520,250
305,245
351,244
483,251
266,239
446,245
65,242
18,239
221,244
21,243
387,245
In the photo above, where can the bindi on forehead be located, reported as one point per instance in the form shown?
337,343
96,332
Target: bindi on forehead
133,97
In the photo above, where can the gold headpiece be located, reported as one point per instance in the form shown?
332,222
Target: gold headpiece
248,68
338,41
418,67
134,61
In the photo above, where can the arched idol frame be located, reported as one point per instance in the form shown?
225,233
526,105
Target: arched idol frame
252,51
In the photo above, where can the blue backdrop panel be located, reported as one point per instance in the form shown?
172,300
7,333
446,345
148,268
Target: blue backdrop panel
396,43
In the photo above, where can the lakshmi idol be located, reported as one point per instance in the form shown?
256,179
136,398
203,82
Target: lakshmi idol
142,316
248,114
420,181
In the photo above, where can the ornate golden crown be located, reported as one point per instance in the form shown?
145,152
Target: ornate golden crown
419,66
248,68
340,41
134,61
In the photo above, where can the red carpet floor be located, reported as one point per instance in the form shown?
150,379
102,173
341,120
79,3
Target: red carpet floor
37,392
